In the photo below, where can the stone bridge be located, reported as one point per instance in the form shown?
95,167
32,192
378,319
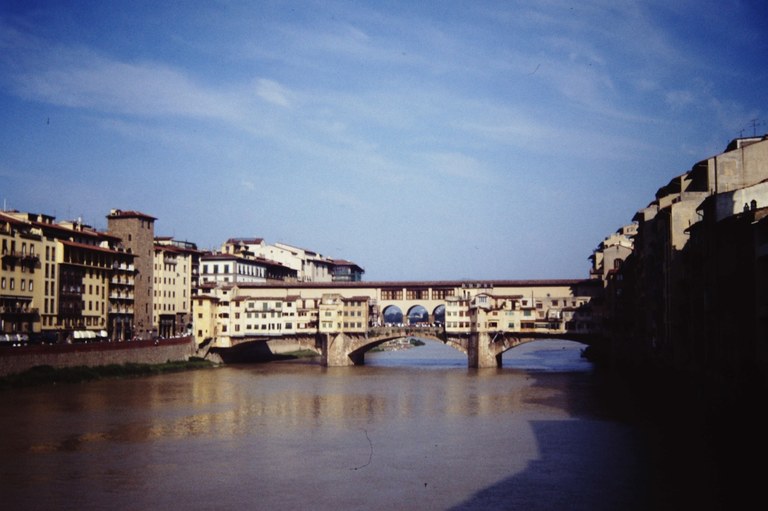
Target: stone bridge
483,350
342,321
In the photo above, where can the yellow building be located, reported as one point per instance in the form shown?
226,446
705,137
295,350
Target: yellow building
58,280
343,314
20,277
175,266
204,312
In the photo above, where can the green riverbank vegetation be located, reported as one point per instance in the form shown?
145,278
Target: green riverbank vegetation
48,375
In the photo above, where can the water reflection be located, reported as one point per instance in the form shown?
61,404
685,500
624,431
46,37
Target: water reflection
294,435
228,403
544,355
549,356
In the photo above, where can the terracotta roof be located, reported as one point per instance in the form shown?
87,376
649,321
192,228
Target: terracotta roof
245,241
93,247
12,219
230,257
119,213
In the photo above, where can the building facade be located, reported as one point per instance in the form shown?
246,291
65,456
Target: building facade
137,232
175,276
63,281
305,265
690,295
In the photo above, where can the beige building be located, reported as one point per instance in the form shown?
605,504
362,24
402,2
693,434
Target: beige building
204,311
612,252
222,268
265,316
307,265
662,302
174,272
337,313
550,313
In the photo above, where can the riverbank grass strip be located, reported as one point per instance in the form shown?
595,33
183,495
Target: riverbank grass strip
48,375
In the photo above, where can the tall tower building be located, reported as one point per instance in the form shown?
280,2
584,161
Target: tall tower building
137,232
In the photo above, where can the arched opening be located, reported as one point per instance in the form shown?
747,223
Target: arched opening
439,315
418,316
392,315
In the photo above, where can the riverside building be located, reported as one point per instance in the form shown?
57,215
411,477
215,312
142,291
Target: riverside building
63,281
691,294
175,273
305,265
137,232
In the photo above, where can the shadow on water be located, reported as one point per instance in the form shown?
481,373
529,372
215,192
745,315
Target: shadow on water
633,444
576,470
680,446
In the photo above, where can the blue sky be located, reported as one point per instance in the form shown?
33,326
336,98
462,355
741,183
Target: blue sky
422,140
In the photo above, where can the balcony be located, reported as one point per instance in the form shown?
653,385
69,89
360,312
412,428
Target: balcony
29,260
120,310
18,311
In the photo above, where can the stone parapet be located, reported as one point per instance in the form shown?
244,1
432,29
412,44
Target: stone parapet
18,359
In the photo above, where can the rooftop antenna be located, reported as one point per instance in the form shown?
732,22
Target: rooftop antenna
755,123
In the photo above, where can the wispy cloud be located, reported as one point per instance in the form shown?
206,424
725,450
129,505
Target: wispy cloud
272,92
85,80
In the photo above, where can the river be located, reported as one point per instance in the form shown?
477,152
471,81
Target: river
411,429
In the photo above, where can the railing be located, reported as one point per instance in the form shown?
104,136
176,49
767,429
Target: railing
120,310
19,310
29,260
405,329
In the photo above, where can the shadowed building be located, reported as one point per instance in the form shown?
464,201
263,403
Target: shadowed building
137,232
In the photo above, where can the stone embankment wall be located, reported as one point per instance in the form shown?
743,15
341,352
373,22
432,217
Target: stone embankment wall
18,359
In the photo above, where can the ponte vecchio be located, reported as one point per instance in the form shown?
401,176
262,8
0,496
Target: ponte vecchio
341,321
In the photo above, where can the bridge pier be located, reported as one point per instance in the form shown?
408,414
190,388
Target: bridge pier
337,351
482,352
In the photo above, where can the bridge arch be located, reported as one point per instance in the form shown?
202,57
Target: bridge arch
393,315
501,342
438,314
418,314
361,345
